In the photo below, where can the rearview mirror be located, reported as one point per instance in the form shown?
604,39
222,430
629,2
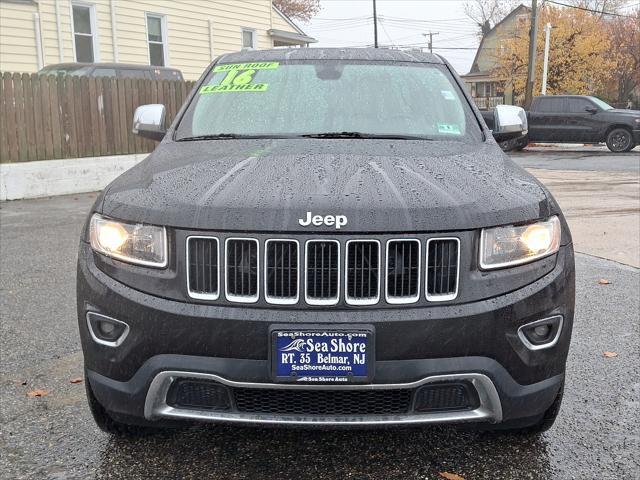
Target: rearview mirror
591,110
148,121
509,122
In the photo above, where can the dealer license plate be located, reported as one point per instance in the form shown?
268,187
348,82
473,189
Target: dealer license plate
321,355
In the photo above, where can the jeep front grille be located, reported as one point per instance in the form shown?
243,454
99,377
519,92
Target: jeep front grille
241,270
403,271
281,271
443,258
323,272
312,272
203,277
362,272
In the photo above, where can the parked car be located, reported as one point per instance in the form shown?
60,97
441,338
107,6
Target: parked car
578,119
120,70
326,237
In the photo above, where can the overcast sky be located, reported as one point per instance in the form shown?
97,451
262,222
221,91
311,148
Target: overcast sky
348,23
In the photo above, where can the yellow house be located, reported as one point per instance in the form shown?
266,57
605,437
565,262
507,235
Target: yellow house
184,34
487,90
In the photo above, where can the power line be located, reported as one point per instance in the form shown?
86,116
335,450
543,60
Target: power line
591,10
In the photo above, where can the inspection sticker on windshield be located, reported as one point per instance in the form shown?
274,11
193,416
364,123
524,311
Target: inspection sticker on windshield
246,66
448,128
447,94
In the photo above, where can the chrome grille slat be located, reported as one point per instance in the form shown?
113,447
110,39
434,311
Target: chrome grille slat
443,268
281,271
403,271
203,273
322,264
241,281
362,272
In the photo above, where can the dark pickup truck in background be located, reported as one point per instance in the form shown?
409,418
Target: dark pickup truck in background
577,119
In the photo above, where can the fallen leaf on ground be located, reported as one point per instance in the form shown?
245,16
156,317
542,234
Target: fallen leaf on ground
76,380
38,392
450,476
609,354
604,281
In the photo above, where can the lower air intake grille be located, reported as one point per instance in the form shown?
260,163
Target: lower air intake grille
203,267
198,394
363,272
322,259
242,269
322,402
443,397
282,271
403,271
442,269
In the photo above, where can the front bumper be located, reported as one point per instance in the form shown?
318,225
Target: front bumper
636,136
476,342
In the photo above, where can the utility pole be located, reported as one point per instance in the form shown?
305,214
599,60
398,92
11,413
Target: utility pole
430,44
531,69
375,25
547,31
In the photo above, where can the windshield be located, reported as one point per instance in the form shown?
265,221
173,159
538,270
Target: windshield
601,103
75,71
330,98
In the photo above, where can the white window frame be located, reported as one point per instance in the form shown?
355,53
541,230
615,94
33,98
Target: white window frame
165,42
253,38
95,42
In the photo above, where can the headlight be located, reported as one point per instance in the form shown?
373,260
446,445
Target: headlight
129,242
508,246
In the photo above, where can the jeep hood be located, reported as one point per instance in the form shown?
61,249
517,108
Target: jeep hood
380,185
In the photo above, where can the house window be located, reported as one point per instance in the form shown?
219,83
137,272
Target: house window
248,38
84,33
157,40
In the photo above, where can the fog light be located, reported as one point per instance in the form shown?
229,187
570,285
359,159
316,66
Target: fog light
106,330
541,333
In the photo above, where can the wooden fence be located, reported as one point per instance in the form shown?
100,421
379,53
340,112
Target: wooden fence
44,117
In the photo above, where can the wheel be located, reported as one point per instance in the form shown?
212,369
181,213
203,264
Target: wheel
530,426
549,417
516,144
522,143
107,424
619,140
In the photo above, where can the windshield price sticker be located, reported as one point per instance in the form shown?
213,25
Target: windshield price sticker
239,78
246,66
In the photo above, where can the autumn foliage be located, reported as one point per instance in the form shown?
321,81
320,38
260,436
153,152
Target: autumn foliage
298,9
588,54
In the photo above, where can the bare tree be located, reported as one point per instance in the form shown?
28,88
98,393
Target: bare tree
609,6
298,9
486,13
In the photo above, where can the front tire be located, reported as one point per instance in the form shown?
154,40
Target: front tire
106,423
620,140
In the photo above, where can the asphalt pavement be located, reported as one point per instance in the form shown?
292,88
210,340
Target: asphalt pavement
597,434
581,158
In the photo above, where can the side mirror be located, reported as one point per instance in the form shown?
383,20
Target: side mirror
509,122
591,110
148,121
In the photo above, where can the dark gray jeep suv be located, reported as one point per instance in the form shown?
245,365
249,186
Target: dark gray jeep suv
326,237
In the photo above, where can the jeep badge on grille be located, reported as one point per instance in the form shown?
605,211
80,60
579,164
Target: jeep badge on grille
328,220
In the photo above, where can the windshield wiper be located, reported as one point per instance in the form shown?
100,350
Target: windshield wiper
228,136
391,136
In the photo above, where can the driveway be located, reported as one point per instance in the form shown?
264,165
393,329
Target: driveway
596,436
